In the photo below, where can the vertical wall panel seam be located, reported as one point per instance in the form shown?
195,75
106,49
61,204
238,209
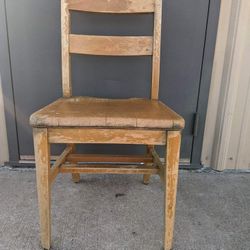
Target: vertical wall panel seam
11,75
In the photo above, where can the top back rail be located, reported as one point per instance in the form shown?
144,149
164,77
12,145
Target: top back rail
110,45
112,6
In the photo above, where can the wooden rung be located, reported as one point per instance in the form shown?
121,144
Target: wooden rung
157,159
108,169
111,45
60,160
159,164
74,158
112,6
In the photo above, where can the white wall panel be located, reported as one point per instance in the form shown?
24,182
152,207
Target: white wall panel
227,134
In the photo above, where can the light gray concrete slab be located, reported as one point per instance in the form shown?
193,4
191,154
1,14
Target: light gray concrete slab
111,212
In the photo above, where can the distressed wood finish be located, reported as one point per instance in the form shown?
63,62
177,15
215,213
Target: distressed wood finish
108,169
160,165
112,6
75,158
75,176
107,136
66,62
53,173
157,159
60,160
98,112
72,120
146,177
111,45
170,187
156,50
42,155
97,45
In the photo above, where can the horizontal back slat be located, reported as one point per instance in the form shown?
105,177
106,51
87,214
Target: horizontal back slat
113,6
111,45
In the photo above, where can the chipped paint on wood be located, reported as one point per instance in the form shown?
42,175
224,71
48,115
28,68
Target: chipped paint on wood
107,136
109,169
113,6
99,112
60,160
66,65
156,50
171,177
111,45
42,155
94,120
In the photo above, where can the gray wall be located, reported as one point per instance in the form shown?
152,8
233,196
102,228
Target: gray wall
34,46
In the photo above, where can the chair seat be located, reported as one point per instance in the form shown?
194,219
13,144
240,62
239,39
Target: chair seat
97,112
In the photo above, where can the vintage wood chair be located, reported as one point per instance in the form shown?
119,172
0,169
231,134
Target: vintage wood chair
73,120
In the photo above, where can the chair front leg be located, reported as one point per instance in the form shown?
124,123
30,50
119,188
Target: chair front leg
42,156
170,186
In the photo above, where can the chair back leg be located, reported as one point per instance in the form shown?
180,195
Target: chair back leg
146,177
75,176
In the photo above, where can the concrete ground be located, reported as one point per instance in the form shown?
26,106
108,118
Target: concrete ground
110,212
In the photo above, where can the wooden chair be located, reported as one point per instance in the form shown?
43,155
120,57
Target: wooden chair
73,120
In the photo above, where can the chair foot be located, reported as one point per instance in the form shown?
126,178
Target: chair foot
167,248
146,178
76,178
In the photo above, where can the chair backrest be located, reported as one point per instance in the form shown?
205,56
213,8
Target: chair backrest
111,45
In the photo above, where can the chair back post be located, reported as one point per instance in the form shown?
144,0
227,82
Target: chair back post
156,50
110,45
66,61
